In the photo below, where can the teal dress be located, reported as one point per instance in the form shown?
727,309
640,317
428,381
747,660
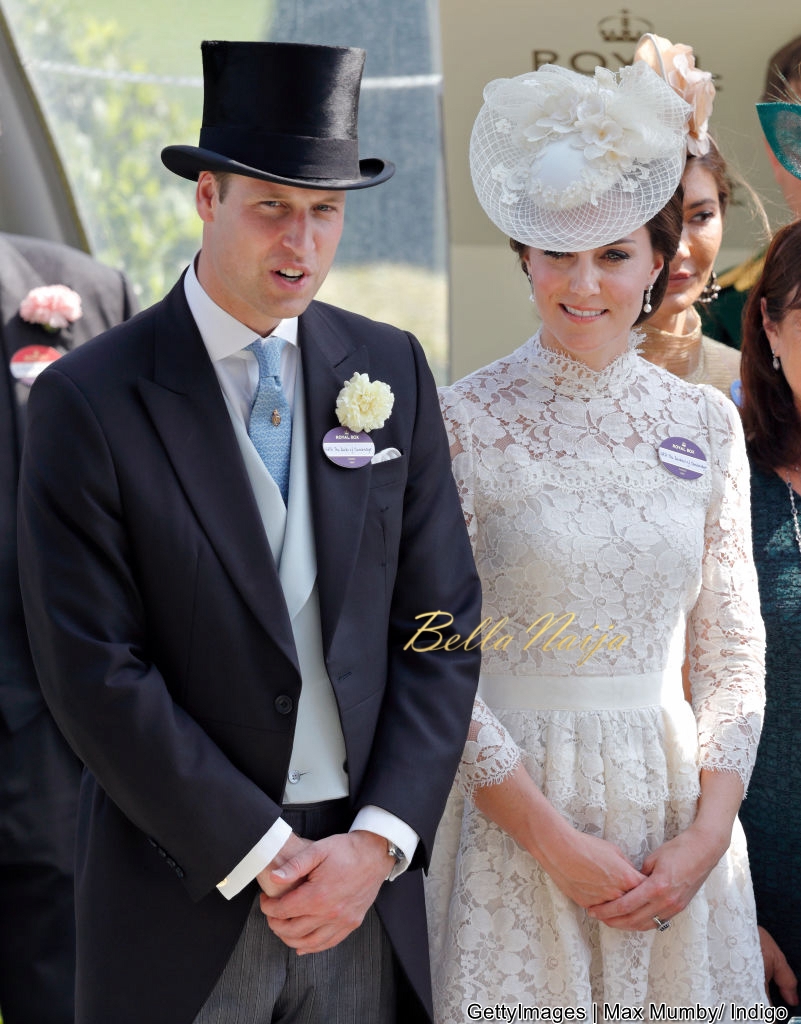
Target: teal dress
771,814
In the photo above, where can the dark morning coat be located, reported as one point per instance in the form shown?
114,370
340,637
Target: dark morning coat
39,774
164,647
27,263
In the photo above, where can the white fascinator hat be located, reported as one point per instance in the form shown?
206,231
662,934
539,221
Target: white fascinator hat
566,161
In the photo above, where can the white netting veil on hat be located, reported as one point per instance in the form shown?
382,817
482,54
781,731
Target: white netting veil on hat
563,161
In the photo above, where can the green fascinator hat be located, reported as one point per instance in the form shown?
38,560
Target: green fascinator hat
781,123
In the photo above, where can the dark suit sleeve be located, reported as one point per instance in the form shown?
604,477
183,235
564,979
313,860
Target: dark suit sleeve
129,303
90,639
429,693
107,296
107,299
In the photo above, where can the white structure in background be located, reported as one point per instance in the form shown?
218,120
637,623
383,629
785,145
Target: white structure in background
35,197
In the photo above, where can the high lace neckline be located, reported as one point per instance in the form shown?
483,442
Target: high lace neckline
568,376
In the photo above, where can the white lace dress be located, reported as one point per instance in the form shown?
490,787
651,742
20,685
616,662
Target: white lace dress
597,563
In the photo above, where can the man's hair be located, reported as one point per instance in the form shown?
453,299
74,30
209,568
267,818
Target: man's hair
223,179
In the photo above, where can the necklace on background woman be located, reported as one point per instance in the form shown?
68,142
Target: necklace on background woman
682,354
796,528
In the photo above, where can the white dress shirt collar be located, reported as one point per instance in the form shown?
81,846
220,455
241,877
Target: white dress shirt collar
222,334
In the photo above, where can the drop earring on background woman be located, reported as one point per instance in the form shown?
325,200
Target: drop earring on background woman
674,334
711,290
776,362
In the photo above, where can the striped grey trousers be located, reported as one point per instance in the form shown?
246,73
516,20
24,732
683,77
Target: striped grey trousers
265,982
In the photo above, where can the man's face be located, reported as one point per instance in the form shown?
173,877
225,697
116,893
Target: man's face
267,248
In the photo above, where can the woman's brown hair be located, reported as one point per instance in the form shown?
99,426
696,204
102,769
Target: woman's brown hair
770,416
714,162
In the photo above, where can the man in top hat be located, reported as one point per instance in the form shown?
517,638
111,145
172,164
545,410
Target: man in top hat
225,553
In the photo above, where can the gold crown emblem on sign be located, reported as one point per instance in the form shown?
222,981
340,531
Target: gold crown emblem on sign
623,28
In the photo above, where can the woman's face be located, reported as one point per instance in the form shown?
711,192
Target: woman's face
589,300
699,246
785,342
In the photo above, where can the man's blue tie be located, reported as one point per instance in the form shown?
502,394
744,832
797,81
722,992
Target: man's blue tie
270,427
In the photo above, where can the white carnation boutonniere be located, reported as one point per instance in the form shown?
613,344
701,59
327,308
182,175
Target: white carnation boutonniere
54,306
364,405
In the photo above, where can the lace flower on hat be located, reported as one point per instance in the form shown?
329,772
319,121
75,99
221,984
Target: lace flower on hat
676,63
570,137
363,404
568,161
54,306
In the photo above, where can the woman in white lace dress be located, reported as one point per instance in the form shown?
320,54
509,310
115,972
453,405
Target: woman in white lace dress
590,856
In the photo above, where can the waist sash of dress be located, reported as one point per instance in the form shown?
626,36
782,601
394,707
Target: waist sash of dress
584,693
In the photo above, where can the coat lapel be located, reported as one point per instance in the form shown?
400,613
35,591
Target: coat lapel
298,568
339,496
188,410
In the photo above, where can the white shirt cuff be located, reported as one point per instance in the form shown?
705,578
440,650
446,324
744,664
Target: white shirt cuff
257,860
376,819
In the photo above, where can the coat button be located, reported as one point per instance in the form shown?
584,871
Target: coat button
284,704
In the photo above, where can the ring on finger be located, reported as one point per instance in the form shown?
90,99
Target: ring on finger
661,926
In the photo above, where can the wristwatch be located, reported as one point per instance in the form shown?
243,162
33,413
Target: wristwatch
396,852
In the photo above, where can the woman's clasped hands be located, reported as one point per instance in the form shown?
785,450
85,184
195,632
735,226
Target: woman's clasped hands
671,876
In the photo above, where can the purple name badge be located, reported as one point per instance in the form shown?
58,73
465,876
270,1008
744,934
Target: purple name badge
347,449
682,458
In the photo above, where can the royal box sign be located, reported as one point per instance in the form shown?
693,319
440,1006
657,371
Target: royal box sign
618,35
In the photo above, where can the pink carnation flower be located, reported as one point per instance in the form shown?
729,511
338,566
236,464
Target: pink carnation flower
54,306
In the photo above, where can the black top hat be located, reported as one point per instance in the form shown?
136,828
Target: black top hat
284,112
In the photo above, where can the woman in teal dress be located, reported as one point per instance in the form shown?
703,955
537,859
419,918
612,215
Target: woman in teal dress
771,816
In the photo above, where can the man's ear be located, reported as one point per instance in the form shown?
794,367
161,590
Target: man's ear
206,196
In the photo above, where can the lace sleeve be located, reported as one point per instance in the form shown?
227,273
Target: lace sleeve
490,754
726,634
457,424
